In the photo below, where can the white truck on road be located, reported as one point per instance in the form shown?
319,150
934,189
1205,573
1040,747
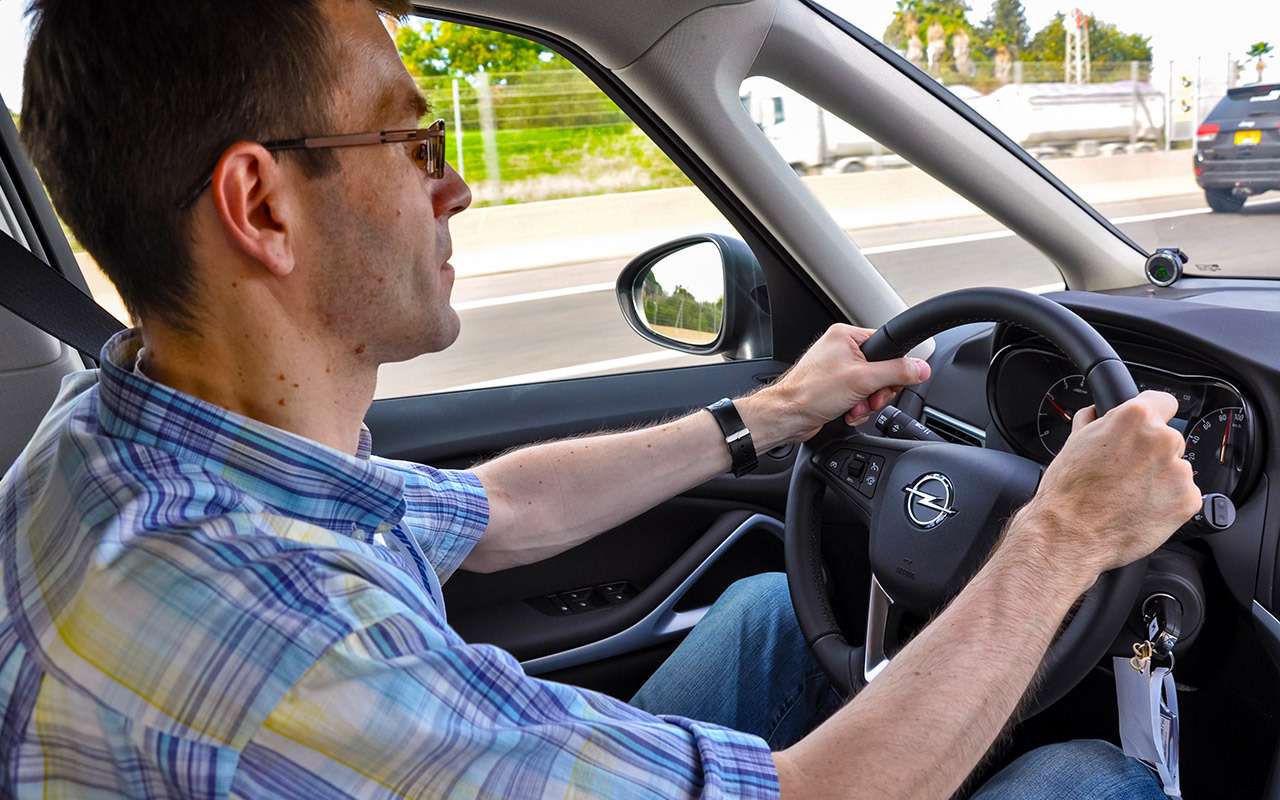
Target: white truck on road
1050,119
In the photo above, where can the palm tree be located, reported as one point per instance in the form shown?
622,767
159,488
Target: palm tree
1259,50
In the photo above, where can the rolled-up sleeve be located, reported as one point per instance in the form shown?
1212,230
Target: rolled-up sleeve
447,512
401,708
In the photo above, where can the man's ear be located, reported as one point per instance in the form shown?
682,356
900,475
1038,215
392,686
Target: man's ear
254,206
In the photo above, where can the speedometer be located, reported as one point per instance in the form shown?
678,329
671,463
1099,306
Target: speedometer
1057,408
1034,395
1217,447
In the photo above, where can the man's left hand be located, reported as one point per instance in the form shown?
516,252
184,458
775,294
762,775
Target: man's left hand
832,379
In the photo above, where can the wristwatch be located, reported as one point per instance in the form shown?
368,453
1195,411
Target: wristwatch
742,451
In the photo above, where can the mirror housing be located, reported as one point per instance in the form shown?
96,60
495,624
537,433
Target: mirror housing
745,330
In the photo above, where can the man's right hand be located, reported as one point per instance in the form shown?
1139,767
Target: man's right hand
1117,490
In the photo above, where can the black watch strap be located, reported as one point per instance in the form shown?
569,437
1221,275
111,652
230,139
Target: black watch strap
742,451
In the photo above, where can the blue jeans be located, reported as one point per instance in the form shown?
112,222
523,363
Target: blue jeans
746,666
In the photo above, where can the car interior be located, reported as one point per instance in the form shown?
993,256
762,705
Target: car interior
1007,371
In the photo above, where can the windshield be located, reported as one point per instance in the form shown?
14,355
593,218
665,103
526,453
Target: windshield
1166,120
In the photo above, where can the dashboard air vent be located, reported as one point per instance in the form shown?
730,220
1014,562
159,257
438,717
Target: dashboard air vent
953,430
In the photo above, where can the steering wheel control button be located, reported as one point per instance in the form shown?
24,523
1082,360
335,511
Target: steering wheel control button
870,477
856,466
930,500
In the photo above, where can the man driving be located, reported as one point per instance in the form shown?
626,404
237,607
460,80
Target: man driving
213,589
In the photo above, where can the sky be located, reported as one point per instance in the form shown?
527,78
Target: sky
1178,28
1181,29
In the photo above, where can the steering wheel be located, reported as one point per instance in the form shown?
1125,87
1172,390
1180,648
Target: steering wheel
935,510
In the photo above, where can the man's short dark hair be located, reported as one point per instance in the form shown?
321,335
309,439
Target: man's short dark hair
127,105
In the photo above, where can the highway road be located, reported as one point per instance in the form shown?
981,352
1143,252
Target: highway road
563,322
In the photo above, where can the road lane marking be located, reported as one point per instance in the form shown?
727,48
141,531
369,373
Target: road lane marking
919,244
575,371
1007,234
939,242
526,297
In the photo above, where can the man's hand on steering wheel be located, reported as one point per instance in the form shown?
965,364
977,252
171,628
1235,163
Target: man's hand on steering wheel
834,378
1117,490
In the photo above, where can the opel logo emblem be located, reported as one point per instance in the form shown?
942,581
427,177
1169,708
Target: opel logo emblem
929,500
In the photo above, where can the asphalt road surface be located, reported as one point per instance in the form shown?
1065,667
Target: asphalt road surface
563,322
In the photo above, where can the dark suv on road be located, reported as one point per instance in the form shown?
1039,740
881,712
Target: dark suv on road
1238,151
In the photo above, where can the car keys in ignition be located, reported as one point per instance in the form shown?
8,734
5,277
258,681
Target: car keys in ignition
1163,615
1146,695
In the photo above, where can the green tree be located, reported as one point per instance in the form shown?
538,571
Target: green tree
951,13
447,48
1106,42
1006,25
1259,50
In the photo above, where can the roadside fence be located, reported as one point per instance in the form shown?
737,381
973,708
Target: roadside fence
542,134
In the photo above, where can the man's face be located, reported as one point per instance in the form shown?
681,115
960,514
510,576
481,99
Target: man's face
375,242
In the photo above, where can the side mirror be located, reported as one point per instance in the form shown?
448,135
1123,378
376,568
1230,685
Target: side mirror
703,295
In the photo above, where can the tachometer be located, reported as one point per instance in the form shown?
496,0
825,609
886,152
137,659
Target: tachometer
1217,446
1057,408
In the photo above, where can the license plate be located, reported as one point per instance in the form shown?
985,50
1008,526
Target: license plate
1248,137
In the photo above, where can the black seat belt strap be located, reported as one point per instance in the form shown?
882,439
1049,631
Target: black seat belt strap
40,295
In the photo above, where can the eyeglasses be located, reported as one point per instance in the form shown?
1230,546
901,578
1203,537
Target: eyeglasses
427,150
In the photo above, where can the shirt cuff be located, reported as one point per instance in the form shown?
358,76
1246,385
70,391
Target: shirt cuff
461,522
734,764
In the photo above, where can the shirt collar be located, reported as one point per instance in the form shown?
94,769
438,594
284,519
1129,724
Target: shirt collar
294,475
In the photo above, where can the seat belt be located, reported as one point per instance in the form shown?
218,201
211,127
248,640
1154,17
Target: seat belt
39,294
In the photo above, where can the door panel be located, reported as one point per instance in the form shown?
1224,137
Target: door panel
459,428
658,553
675,558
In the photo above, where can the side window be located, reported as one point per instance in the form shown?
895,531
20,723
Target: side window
923,237
567,189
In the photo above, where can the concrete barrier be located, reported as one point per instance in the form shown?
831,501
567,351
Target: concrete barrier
551,232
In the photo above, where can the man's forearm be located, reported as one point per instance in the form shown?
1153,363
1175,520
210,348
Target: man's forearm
550,497
920,728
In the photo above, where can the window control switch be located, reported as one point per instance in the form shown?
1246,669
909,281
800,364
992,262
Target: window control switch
577,595
555,605
616,592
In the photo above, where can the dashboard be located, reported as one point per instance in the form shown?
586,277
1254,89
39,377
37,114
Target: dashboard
1213,344
1034,392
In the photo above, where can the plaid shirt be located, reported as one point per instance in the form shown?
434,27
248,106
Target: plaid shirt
197,604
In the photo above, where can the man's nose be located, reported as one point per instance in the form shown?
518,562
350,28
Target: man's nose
450,194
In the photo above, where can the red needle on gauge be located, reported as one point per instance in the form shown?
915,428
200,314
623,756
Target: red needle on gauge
1058,408
1226,436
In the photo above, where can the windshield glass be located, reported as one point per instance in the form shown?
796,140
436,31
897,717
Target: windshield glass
1166,119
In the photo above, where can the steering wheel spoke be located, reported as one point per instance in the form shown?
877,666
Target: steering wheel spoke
876,650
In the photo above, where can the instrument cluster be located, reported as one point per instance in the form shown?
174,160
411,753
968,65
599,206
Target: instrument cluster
1034,393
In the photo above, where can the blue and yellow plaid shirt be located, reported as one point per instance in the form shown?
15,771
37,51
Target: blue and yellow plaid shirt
197,604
